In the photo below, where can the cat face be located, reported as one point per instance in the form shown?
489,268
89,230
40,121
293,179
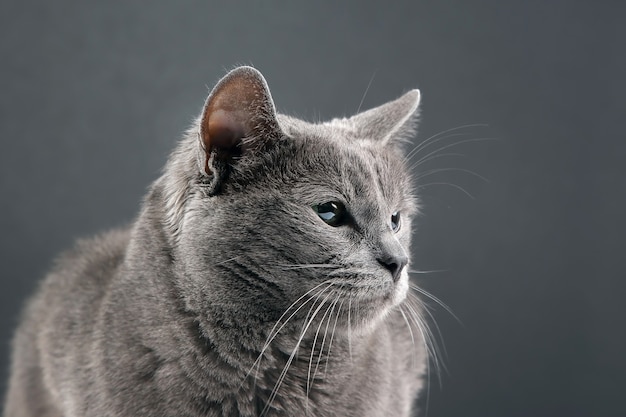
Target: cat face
282,210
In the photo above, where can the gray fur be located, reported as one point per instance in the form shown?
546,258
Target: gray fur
171,316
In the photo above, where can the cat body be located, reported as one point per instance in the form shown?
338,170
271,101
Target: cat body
265,275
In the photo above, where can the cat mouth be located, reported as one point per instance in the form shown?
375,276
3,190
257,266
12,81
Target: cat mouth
379,292
356,301
359,306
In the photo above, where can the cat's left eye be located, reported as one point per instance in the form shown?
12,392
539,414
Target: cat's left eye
333,212
395,221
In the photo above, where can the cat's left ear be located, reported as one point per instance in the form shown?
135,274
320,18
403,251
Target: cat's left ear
394,121
239,117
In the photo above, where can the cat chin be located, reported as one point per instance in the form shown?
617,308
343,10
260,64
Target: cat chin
401,289
368,317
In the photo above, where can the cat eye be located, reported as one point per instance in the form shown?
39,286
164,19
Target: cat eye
395,221
333,212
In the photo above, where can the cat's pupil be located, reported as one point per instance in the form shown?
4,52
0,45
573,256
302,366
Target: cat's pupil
332,212
395,221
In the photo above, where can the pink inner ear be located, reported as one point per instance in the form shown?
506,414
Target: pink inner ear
239,106
224,131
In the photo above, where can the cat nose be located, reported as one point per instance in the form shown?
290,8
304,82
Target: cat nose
394,264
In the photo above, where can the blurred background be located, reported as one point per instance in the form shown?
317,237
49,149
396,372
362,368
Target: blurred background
528,95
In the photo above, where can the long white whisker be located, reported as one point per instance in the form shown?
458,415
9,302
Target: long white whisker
273,332
309,381
228,260
452,129
298,309
426,335
350,327
414,356
287,267
308,314
415,317
458,187
450,145
431,141
434,350
434,322
332,336
369,84
437,156
317,332
435,299
431,341
415,271
293,354
438,170
319,357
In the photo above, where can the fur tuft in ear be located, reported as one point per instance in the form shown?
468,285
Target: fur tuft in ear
390,122
238,116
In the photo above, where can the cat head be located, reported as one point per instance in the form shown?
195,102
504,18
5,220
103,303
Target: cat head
266,211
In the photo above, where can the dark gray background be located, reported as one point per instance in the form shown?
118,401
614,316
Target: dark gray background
93,97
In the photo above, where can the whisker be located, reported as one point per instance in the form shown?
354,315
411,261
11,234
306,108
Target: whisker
350,327
415,304
432,341
415,271
294,303
308,314
418,323
439,334
286,267
332,336
430,140
458,187
273,332
319,357
435,299
408,325
369,84
228,260
309,382
427,337
452,129
438,170
450,145
439,155
293,354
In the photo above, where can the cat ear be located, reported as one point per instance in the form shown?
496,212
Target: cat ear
238,116
393,121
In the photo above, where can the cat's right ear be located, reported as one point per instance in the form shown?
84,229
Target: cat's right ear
390,123
238,117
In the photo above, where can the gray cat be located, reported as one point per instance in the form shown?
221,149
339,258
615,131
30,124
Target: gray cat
266,275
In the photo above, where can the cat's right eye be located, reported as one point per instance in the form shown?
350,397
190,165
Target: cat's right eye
332,212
